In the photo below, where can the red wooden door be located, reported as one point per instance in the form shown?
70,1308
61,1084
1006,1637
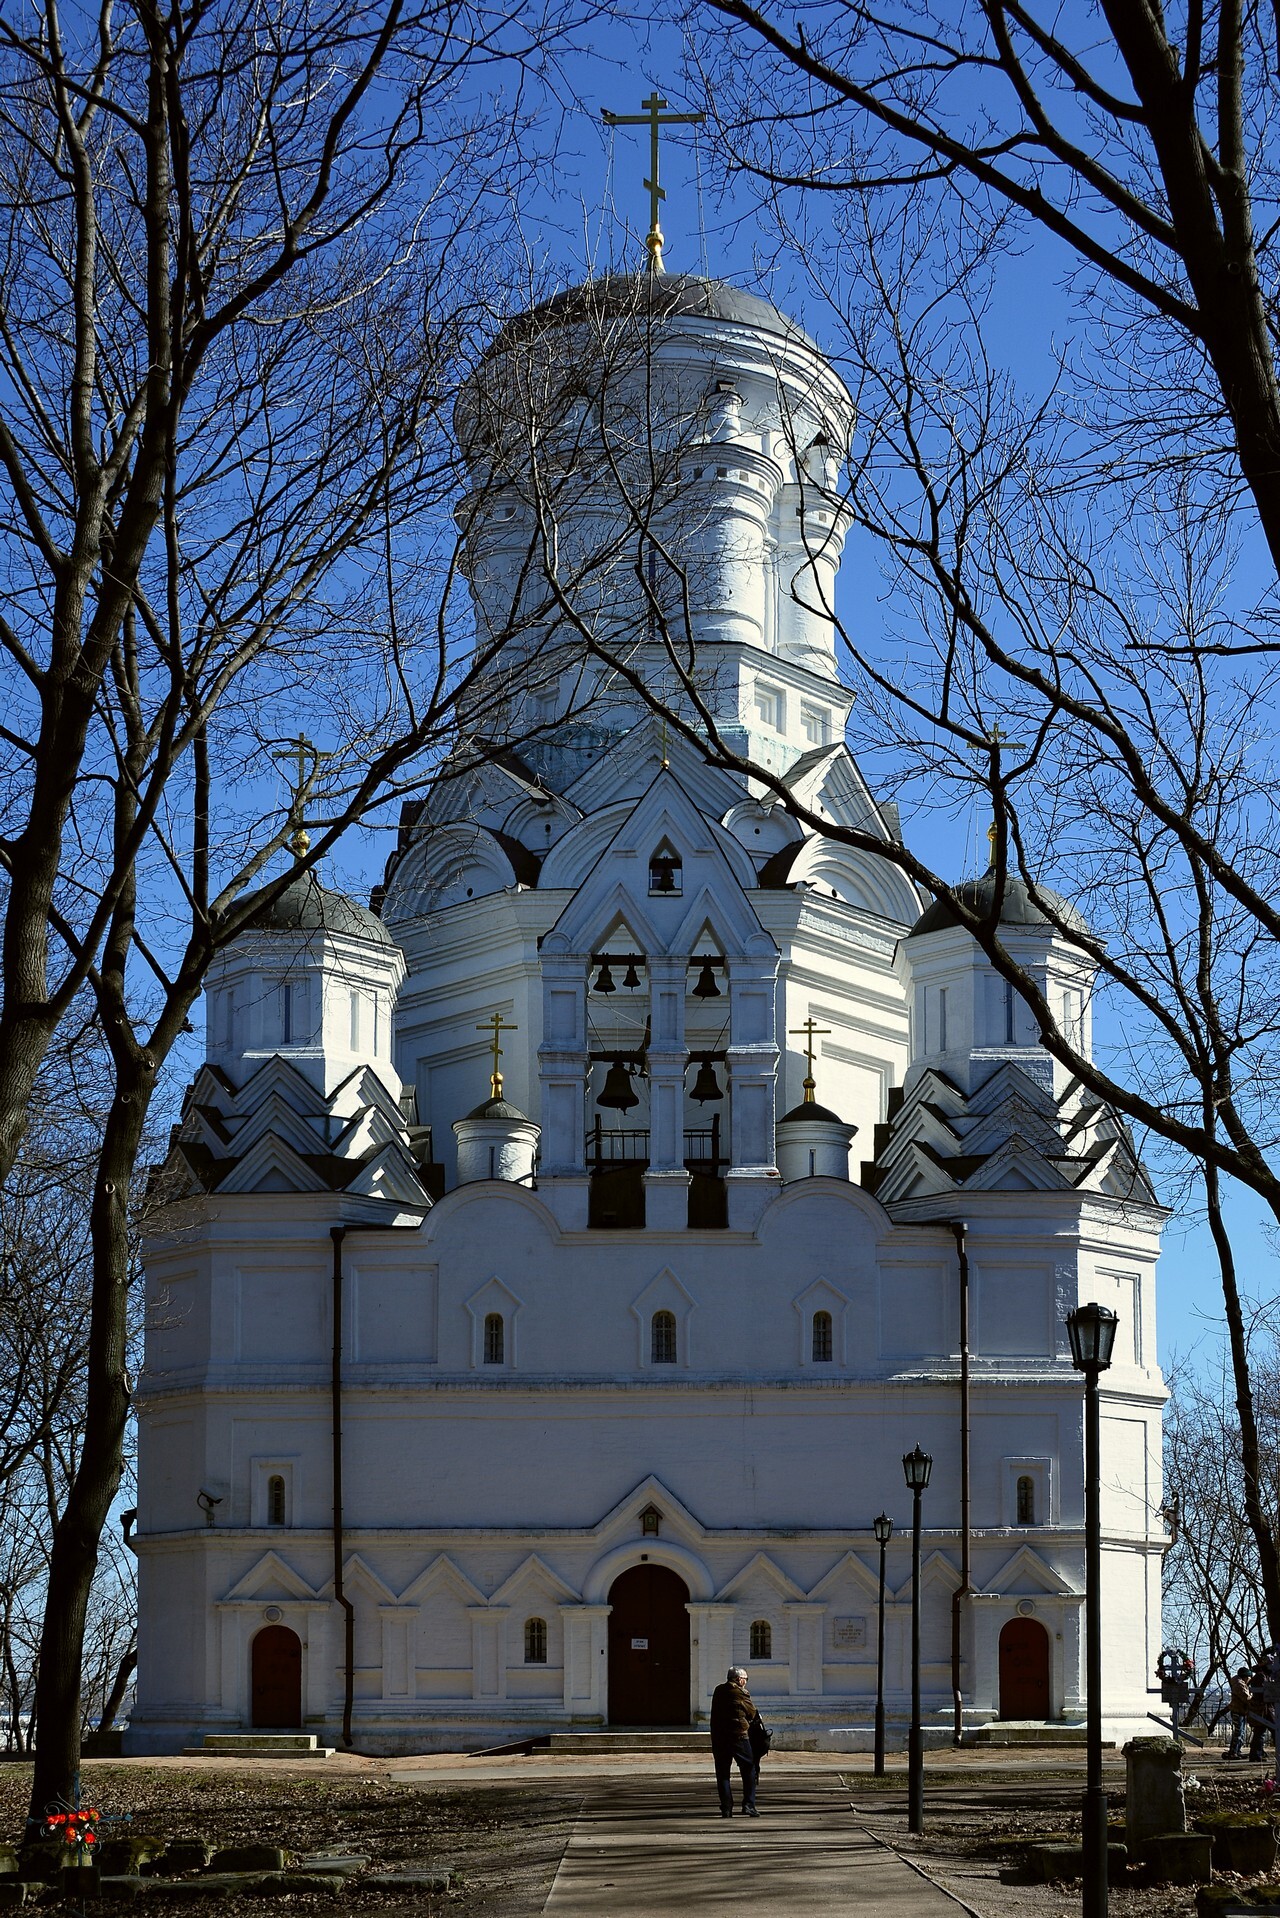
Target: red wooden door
1024,1669
648,1648
276,1667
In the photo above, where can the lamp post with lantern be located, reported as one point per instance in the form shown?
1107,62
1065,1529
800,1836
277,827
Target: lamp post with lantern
883,1529
1092,1331
916,1468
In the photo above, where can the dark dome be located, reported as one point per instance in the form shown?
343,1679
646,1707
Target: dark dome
683,295
306,906
811,1113
499,1109
1017,908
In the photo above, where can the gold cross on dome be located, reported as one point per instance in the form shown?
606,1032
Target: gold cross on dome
306,758
811,1030
495,1026
653,117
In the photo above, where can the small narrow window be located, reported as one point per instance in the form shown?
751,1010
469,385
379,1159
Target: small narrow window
494,1343
761,1638
1008,1013
229,1011
355,1022
666,869
275,1499
1073,1019
286,1013
942,1019
1026,1500
535,1641
822,1338
662,1349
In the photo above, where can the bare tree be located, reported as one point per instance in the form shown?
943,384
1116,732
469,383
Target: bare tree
1140,139
244,263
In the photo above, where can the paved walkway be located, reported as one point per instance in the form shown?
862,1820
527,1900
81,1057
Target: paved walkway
649,1845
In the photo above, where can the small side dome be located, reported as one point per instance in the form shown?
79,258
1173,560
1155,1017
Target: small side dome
811,1114
500,1109
307,906
1017,908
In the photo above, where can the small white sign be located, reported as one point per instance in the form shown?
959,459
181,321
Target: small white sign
848,1634
639,1644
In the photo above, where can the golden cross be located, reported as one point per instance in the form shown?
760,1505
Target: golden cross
998,739
811,1029
307,758
653,117
495,1026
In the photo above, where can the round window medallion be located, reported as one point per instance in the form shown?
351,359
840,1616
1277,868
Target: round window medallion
1026,1608
273,1614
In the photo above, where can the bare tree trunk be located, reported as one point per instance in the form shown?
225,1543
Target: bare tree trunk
1250,1450
120,1684
74,1557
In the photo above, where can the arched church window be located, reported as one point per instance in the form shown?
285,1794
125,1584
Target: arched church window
275,1499
666,869
761,1638
1026,1500
535,1641
822,1338
662,1349
494,1340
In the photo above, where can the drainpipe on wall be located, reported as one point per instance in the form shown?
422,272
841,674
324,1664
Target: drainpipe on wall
965,1587
338,1233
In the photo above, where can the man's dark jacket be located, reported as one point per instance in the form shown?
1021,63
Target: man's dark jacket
732,1713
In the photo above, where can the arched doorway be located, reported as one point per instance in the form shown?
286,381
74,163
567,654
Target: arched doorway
1024,1669
275,1662
648,1648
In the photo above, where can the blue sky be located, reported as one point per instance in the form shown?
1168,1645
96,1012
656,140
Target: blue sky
592,211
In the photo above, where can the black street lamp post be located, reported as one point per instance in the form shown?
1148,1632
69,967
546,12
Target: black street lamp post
916,1466
1092,1330
883,1528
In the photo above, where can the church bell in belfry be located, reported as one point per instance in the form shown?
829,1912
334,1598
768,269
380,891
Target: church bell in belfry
617,1091
706,1086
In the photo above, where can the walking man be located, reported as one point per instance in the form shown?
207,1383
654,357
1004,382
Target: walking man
1241,1705
732,1716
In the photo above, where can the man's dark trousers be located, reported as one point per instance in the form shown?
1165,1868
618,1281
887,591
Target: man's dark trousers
742,1756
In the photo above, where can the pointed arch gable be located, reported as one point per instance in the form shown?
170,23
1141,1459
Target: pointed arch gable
757,1568
534,1571
442,1572
848,1569
270,1577
1028,1573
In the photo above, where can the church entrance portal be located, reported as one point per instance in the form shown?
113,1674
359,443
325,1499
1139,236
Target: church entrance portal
276,1688
1024,1669
648,1648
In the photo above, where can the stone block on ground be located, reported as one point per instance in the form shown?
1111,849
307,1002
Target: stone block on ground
122,1889
329,1884
1154,1802
422,1879
8,1861
1064,1858
40,1860
1177,1858
124,1856
184,1854
339,1861
1223,1901
1242,1841
248,1858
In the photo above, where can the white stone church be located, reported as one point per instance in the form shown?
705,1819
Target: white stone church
486,1397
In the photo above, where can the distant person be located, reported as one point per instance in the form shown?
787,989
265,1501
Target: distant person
1241,1706
1264,1706
733,1714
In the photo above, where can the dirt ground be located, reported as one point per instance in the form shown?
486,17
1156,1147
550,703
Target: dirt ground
977,1830
503,1846
503,1838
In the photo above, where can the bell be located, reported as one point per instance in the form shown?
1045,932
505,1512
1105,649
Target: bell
706,987
631,978
604,979
662,873
706,1085
617,1091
